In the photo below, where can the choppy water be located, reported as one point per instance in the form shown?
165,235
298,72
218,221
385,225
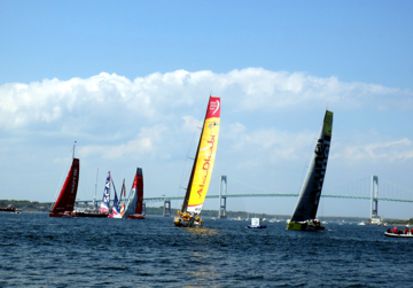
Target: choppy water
37,251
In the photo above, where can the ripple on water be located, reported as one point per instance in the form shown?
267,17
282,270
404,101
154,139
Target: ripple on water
37,251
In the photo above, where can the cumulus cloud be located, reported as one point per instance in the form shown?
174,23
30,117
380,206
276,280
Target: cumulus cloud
47,101
110,109
145,143
394,150
269,145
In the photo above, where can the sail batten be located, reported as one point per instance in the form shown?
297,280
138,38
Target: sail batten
310,193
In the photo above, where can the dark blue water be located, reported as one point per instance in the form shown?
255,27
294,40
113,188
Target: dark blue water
37,251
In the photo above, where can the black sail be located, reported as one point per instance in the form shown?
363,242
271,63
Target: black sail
307,205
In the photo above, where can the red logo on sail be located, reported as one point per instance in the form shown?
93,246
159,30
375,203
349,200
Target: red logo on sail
214,107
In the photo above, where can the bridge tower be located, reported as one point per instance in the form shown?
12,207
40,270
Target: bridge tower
374,188
222,212
167,208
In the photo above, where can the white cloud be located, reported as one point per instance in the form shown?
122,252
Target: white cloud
145,143
109,109
393,150
269,145
155,95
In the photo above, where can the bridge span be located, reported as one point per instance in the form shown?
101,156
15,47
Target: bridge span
372,195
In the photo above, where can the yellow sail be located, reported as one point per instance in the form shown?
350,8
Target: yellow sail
205,158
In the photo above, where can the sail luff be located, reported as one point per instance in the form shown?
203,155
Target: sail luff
308,202
67,196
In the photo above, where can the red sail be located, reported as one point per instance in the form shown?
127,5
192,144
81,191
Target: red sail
65,202
136,205
139,191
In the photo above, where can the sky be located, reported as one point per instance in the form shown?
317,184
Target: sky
130,80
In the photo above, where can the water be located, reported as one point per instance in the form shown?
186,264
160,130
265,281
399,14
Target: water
37,251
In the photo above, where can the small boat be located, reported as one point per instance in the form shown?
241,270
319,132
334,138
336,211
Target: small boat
198,184
304,216
255,224
398,233
10,208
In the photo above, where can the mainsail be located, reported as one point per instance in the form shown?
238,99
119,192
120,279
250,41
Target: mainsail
122,199
307,205
134,206
104,205
115,207
65,202
203,164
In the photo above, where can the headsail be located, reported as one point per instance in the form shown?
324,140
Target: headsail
307,205
122,199
104,205
65,202
204,160
135,202
115,207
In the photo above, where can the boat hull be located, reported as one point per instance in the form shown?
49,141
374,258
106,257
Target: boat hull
136,217
183,220
89,214
74,214
303,226
10,209
257,227
396,235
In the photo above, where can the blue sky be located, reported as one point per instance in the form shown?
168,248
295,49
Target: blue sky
130,79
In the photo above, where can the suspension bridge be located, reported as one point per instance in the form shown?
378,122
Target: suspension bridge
362,189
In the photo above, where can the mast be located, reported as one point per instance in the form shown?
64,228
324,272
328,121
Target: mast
74,149
308,202
96,189
191,178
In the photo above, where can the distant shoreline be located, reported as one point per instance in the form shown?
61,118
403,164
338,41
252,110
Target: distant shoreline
35,206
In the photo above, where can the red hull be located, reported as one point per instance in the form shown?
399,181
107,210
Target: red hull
136,216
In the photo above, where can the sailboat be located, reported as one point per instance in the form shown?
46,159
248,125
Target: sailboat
103,210
198,185
134,205
304,217
64,205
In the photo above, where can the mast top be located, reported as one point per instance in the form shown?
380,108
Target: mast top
74,149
